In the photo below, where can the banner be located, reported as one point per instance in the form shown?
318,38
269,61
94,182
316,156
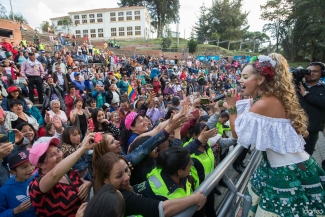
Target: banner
207,58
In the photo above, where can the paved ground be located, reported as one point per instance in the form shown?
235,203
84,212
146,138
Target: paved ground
319,153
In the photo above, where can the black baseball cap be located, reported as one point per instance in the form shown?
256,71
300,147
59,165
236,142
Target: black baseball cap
18,158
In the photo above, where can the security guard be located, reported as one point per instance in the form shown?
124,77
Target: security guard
169,180
203,160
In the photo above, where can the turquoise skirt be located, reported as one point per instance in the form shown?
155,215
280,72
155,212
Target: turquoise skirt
295,190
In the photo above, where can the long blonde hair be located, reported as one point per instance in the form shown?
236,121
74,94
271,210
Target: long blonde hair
283,88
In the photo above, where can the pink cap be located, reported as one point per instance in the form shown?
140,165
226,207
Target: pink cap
129,119
40,147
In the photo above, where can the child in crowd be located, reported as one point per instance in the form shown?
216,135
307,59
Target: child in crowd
14,195
115,118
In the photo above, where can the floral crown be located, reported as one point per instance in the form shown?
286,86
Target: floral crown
264,65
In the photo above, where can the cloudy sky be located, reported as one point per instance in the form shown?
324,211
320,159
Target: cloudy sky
37,11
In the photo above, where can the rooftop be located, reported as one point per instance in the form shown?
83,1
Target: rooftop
107,9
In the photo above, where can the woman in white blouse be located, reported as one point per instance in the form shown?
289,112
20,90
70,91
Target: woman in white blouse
288,182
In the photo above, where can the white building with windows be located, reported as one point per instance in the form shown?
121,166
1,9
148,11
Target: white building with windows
108,23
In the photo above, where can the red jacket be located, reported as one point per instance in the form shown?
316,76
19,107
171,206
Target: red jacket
156,86
7,46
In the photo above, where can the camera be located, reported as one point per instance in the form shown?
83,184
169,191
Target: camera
298,75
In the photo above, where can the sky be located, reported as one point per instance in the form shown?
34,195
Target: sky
36,11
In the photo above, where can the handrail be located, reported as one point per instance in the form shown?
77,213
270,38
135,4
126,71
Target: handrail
232,201
212,180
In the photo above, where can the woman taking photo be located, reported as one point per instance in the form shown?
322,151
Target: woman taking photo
275,122
113,169
57,190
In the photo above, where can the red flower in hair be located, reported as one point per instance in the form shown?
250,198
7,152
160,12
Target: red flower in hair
268,71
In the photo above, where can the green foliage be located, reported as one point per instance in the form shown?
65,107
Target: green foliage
163,12
223,21
167,39
192,45
45,25
18,17
67,23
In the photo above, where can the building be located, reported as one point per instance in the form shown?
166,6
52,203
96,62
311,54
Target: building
11,30
108,23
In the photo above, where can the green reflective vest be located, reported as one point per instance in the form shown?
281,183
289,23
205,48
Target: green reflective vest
221,129
24,43
41,47
159,187
206,159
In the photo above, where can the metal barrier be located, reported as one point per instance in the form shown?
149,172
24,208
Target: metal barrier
212,180
232,202
231,206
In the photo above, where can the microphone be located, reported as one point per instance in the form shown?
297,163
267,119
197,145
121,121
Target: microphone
221,96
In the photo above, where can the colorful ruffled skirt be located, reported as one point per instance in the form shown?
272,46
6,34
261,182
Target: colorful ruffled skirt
296,190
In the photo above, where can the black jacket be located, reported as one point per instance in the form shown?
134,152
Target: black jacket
109,96
314,105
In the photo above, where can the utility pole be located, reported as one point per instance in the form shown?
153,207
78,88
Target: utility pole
177,33
12,12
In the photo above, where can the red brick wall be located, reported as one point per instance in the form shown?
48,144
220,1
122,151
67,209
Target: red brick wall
15,27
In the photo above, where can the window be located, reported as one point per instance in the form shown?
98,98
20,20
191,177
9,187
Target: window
136,12
137,30
113,31
99,20
113,14
77,31
59,23
76,17
85,35
113,19
85,31
129,15
137,17
92,20
84,21
91,15
99,15
93,31
129,30
84,16
120,16
121,31
78,36
100,33
92,35
77,22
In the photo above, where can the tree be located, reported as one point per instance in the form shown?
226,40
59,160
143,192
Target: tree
224,18
67,23
192,45
45,26
163,12
3,12
167,39
19,18
277,12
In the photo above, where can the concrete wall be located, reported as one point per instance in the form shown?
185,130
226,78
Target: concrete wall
14,27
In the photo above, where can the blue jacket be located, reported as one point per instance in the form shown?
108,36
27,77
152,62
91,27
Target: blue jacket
35,112
80,86
5,104
12,194
154,73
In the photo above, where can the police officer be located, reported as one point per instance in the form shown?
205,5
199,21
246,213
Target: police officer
170,179
312,100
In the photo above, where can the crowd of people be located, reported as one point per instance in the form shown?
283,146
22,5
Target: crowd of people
143,132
